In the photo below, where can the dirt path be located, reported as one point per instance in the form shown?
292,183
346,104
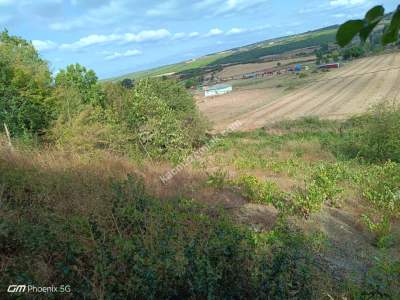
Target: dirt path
337,94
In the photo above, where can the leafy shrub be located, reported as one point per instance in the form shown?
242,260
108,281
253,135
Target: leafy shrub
323,187
285,270
157,118
353,52
93,129
381,188
217,179
261,192
83,81
382,281
374,137
160,131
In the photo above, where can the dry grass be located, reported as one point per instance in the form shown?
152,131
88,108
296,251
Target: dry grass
75,181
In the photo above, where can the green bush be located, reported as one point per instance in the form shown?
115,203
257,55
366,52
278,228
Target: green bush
156,118
374,137
217,179
261,192
382,281
285,270
83,81
168,125
380,186
323,187
353,52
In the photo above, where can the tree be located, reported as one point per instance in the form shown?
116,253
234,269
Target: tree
363,28
84,81
353,52
128,83
25,87
190,83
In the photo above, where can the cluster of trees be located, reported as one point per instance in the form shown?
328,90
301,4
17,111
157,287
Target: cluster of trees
153,116
25,87
353,52
325,55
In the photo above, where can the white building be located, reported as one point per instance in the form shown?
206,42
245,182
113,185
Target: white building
219,89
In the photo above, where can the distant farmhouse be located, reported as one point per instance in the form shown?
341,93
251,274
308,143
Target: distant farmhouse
218,89
329,66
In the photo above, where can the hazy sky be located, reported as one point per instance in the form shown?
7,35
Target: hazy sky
115,37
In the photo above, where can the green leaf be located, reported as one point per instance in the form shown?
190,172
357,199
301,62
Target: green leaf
366,31
372,18
391,34
375,14
348,31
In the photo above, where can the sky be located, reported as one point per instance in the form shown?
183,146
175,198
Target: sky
115,37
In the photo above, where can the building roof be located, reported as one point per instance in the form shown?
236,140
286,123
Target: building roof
219,86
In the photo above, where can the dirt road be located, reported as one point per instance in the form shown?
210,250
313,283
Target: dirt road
340,93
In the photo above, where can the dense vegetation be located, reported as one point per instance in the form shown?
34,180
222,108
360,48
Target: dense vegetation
25,87
155,117
81,207
122,243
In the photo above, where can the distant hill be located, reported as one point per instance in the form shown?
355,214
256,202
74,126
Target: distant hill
245,54
249,53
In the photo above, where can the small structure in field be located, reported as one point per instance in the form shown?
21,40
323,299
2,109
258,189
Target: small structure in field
218,89
329,66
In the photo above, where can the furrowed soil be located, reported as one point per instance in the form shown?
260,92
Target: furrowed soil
337,94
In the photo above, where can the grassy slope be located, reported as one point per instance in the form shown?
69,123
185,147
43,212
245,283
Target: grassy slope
174,241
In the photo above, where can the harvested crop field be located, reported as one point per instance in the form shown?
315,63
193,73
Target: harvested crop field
337,94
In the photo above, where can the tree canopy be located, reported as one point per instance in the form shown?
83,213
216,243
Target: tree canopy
25,86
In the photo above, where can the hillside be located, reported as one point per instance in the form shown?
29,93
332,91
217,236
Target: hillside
252,53
245,54
286,187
